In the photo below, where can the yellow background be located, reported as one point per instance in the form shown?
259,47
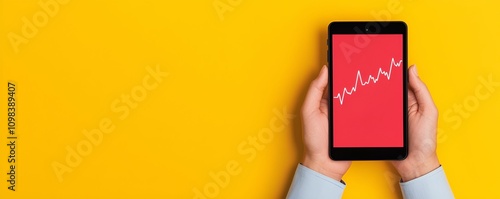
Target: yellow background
226,75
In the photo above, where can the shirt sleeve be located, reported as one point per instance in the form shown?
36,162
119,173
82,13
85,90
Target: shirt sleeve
429,186
308,184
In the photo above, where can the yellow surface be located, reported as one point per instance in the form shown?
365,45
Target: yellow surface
232,72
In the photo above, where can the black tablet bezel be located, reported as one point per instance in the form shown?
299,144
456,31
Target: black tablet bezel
368,153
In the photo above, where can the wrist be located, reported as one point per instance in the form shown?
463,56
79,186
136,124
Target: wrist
323,167
419,168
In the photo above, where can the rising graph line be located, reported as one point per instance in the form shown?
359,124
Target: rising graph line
373,79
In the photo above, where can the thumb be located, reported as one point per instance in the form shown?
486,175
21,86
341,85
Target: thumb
315,93
422,94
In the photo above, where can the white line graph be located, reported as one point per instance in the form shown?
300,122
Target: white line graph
370,78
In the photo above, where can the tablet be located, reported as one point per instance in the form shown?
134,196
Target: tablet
368,117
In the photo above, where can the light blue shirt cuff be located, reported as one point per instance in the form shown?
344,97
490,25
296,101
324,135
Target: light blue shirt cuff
311,184
431,185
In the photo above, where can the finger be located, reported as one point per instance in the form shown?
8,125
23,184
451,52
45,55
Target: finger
412,102
325,91
323,106
411,95
315,93
421,92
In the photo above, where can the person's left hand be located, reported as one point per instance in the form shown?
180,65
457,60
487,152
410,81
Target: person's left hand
315,119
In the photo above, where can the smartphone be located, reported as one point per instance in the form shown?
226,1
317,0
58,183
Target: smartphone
368,94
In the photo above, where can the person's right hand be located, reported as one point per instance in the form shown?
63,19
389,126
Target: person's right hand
315,118
422,116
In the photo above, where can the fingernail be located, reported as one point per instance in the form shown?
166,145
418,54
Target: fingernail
415,69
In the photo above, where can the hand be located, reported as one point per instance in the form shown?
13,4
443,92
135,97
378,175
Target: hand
422,116
315,119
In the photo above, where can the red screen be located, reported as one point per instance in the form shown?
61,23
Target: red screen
367,90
